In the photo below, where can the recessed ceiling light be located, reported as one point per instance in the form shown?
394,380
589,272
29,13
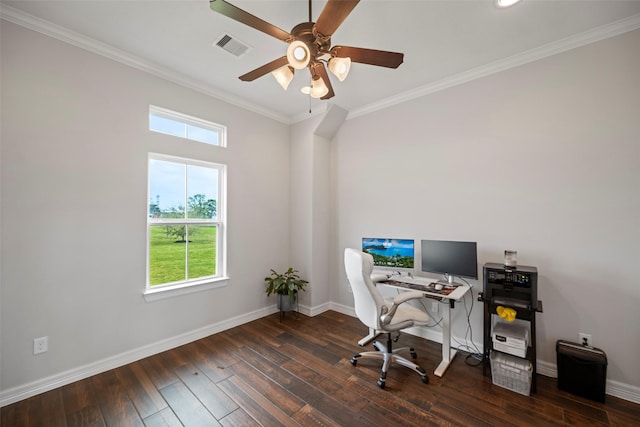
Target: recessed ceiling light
506,3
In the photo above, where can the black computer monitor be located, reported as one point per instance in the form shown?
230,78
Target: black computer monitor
450,258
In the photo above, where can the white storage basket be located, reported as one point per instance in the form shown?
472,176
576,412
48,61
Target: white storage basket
511,372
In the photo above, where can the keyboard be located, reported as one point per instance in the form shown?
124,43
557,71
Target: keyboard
406,279
410,282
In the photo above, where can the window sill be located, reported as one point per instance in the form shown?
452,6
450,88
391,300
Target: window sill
183,289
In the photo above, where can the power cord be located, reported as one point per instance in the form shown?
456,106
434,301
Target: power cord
474,358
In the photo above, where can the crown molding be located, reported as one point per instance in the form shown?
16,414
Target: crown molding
591,36
50,29
55,31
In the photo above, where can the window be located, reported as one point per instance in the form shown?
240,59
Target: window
185,225
183,126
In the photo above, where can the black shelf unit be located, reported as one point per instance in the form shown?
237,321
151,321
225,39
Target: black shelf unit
514,288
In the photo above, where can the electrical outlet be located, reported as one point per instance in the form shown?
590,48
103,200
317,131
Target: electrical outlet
435,306
584,339
40,345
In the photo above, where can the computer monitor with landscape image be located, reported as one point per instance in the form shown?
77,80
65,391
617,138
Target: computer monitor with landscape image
393,254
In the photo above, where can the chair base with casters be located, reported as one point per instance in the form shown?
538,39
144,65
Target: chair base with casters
389,356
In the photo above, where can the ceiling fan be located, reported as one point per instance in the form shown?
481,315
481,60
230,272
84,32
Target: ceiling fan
310,47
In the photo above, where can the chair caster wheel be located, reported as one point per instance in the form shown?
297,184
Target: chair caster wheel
354,362
425,379
381,384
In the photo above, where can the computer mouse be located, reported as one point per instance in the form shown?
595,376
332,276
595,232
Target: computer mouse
438,287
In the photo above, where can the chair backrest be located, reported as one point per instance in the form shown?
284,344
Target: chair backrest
368,301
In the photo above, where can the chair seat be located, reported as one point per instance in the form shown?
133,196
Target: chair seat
405,317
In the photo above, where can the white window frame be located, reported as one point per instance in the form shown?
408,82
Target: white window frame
192,285
188,120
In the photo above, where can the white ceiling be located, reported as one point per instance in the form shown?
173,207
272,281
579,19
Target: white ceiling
444,42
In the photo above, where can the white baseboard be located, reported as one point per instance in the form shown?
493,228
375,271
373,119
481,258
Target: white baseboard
314,311
547,369
623,391
344,309
24,391
7,397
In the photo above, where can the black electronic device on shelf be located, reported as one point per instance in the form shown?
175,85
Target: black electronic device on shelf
512,286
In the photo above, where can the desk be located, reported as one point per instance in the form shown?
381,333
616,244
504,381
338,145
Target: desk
426,286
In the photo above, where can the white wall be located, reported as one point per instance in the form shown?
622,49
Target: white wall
310,216
74,203
542,159
301,186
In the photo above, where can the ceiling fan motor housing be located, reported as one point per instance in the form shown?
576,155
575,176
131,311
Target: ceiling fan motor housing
316,43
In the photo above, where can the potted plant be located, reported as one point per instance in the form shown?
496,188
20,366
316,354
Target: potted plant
286,286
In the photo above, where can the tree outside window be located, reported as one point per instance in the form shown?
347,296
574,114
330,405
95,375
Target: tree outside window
184,222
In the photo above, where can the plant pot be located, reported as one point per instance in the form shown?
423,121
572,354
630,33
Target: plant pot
286,303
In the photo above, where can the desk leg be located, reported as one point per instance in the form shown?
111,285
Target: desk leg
366,340
447,352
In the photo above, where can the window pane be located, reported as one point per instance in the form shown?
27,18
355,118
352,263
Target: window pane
202,184
202,251
167,254
184,198
201,134
164,125
166,189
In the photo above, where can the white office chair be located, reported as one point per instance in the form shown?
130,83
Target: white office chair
382,315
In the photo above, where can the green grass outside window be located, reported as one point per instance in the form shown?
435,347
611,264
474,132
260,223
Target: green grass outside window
167,254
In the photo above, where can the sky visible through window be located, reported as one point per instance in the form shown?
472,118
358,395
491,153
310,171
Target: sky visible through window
182,130
167,183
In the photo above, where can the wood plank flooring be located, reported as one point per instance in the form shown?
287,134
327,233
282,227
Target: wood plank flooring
297,373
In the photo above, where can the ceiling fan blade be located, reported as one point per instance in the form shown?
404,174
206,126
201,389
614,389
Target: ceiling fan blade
380,58
266,68
334,12
233,12
322,72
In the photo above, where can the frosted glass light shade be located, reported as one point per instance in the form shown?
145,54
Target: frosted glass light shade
506,3
340,67
283,75
318,88
298,54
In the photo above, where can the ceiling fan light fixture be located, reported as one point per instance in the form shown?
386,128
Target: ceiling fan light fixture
298,54
318,88
506,3
284,75
340,67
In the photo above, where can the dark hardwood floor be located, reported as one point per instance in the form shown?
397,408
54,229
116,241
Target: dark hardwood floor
297,372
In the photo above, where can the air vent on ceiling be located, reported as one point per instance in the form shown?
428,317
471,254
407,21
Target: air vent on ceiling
232,45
